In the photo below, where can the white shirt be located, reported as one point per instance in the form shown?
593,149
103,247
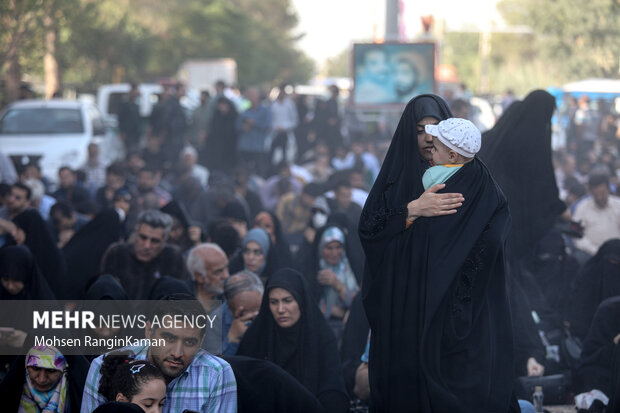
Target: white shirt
284,114
600,225
344,163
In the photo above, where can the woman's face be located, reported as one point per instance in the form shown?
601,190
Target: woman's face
12,286
425,141
284,307
253,257
264,221
150,398
332,252
43,379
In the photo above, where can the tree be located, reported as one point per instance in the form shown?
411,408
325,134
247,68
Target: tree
50,63
87,42
17,17
339,65
579,39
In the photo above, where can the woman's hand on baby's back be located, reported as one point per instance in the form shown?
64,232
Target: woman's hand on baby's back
432,204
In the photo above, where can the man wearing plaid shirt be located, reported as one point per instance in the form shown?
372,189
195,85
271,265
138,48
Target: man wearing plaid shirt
196,380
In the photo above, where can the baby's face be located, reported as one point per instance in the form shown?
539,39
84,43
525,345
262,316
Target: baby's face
441,153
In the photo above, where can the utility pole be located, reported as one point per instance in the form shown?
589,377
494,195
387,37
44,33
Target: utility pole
391,20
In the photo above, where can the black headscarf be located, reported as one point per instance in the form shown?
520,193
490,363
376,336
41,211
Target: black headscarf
595,370
167,285
106,291
599,279
435,293
517,151
43,248
307,350
237,210
17,262
177,211
106,287
281,247
83,253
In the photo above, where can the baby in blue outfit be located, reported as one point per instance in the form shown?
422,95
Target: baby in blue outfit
456,142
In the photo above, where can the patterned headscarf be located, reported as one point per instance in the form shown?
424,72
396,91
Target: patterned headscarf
342,270
53,400
332,234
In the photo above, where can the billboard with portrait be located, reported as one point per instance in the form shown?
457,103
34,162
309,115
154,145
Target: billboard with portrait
392,73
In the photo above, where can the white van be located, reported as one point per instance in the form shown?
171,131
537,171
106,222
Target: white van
110,98
53,133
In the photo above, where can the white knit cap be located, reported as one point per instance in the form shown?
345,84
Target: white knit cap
458,134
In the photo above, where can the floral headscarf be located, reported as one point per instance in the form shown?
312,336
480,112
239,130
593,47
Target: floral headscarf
53,400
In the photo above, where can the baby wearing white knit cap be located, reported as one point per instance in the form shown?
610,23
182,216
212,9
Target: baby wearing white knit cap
456,142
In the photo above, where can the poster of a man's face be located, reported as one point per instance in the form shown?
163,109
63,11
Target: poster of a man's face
387,74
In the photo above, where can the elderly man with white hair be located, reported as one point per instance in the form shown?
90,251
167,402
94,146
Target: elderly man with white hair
189,163
243,292
208,266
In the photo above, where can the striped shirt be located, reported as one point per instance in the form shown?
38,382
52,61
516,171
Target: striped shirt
207,385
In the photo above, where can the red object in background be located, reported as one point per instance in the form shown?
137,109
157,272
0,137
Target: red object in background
427,23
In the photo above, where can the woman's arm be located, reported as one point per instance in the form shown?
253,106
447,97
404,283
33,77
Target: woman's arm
432,204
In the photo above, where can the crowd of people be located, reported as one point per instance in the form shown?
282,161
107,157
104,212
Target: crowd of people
299,233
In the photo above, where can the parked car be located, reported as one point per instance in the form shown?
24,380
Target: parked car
53,133
110,98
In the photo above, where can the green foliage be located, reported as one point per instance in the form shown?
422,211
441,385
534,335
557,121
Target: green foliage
339,65
21,22
577,38
461,50
514,62
149,39
569,40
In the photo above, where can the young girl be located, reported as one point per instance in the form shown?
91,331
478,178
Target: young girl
124,379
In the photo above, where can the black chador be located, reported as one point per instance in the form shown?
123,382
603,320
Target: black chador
435,292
